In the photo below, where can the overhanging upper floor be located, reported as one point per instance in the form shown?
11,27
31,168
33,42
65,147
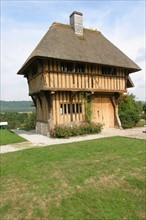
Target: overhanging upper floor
59,75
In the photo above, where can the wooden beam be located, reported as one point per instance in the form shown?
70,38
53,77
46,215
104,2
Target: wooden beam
81,90
114,101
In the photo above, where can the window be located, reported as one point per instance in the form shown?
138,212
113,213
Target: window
61,109
34,69
69,67
66,67
126,72
65,109
68,108
92,68
79,68
114,72
57,65
73,108
52,65
92,82
110,71
40,66
78,108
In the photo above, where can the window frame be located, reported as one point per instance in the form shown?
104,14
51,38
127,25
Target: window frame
70,108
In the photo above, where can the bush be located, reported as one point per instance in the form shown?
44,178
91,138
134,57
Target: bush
30,122
66,131
141,123
129,111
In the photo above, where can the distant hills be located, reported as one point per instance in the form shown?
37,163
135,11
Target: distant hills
16,106
19,106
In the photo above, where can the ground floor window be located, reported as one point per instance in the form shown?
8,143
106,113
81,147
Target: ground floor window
68,108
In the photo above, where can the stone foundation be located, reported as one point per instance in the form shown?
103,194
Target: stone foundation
42,128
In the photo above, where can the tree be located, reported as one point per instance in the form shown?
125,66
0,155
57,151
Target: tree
14,119
144,111
129,111
30,123
144,108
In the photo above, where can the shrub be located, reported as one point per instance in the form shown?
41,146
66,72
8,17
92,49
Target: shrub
61,131
129,111
30,122
84,128
141,123
88,112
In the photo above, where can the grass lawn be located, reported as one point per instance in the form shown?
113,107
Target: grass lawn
98,179
8,137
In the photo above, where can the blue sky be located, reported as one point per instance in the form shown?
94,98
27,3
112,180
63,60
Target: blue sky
24,23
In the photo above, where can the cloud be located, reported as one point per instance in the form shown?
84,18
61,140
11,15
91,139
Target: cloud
129,36
24,24
99,22
15,49
141,55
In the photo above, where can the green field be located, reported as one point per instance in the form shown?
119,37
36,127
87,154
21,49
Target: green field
98,179
8,137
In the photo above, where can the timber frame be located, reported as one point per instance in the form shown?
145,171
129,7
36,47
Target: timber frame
56,93
61,72
52,78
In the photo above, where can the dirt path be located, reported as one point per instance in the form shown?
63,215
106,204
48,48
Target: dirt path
37,140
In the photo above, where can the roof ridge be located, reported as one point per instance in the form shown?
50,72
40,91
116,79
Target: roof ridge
60,24
69,26
92,30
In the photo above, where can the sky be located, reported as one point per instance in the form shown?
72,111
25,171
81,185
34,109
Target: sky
24,23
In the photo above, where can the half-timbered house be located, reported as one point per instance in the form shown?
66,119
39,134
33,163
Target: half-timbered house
70,62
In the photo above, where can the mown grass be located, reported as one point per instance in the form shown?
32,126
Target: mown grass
98,179
8,137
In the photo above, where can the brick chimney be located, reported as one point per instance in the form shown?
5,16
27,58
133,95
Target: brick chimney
76,21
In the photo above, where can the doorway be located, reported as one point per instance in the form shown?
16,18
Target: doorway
103,111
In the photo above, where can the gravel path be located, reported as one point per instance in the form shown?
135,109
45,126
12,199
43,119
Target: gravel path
37,140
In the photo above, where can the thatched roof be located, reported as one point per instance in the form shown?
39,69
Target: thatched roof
61,42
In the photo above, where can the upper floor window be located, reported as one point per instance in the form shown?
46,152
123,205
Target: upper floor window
66,67
70,67
40,66
92,69
126,72
79,68
34,69
37,67
110,71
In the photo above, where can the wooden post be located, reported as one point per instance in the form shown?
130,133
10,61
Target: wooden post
71,108
34,100
115,100
50,120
